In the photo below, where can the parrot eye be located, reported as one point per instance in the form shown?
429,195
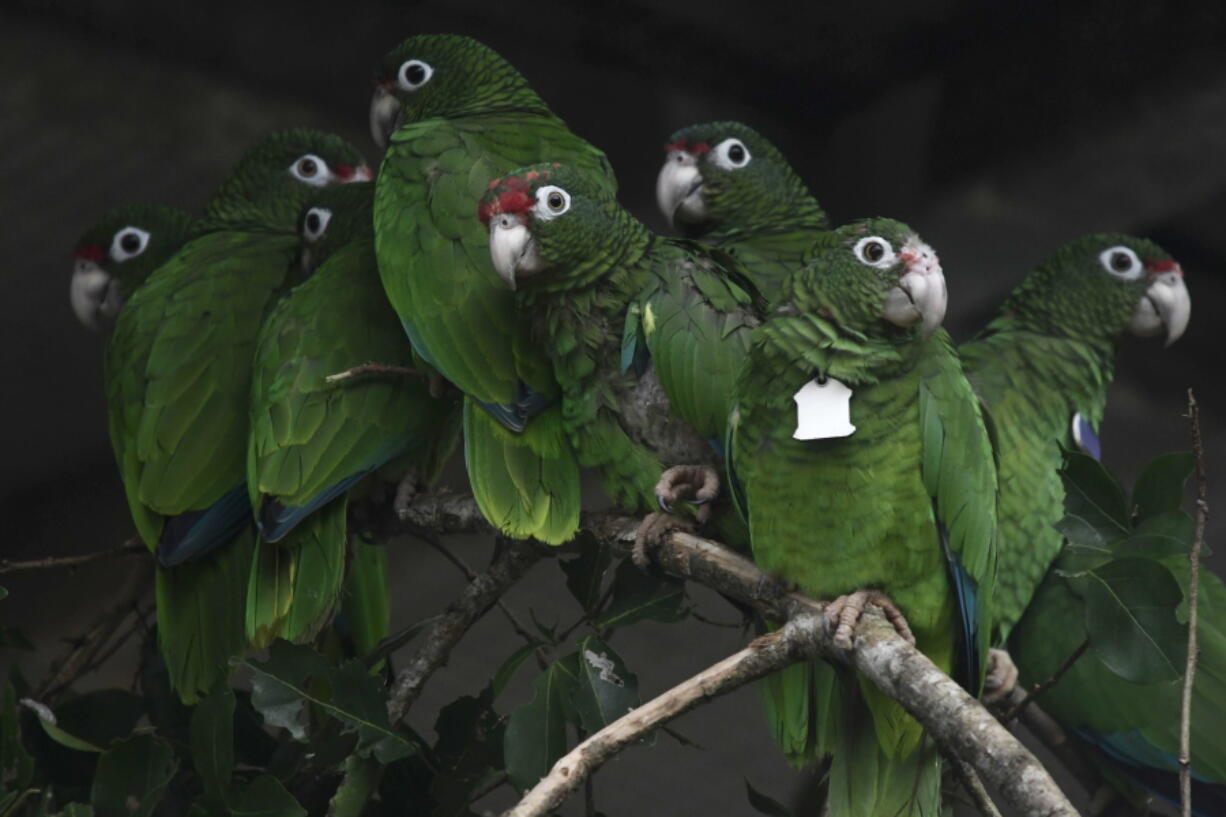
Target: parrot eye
874,251
310,169
315,223
731,154
413,74
1121,262
129,243
551,202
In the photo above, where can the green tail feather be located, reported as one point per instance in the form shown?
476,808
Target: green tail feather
200,616
866,781
802,710
527,484
366,603
294,585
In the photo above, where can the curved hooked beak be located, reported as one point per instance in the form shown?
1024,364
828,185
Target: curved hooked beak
512,249
386,115
1166,306
94,293
679,189
920,296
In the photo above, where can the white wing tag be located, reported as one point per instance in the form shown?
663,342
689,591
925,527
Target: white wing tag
823,410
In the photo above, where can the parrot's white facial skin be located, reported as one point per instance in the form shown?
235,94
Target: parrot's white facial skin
1166,307
93,293
513,251
920,296
679,189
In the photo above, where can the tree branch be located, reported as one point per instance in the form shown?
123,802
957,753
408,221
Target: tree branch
132,547
372,368
1189,675
478,596
956,720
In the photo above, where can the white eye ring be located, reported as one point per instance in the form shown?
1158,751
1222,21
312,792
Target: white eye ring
123,247
731,154
1129,266
311,169
413,74
551,202
866,247
315,223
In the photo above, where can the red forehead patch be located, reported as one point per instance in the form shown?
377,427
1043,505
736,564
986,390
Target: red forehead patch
696,149
1165,265
91,253
515,197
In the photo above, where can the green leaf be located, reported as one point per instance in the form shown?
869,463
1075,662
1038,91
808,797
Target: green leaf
1095,509
764,804
362,775
16,764
606,689
46,719
1131,620
266,797
132,777
76,810
278,688
637,596
15,639
1159,489
360,703
4,593
213,744
536,732
1165,534
585,573
507,671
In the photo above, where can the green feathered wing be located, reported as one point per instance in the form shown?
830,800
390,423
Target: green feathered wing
178,370
433,257
312,442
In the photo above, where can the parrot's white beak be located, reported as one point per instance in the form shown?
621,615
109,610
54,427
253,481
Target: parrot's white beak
920,296
1166,306
679,189
512,248
94,294
386,116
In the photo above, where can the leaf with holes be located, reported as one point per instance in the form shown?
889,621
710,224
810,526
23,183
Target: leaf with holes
606,689
1131,619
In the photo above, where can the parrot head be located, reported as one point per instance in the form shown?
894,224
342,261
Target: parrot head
331,218
1102,285
872,270
548,216
724,175
274,177
442,75
116,255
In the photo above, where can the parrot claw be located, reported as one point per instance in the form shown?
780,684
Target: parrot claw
844,612
651,532
1001,676
694,484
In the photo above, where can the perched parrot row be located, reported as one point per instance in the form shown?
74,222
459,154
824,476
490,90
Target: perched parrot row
785,378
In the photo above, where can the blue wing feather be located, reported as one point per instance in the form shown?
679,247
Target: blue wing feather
194,534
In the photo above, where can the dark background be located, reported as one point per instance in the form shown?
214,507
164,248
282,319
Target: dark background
997,130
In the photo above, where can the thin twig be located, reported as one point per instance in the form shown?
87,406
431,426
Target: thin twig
480,594
496,782
974,787
1049,732
132,547
372,368
1189,675
1047,684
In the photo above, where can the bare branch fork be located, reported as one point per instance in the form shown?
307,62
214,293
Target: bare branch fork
1189,675
132,547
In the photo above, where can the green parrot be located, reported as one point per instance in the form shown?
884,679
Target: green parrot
456,115
724,183
866,473
645,333
313,442
1043,366
178,373
115,256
